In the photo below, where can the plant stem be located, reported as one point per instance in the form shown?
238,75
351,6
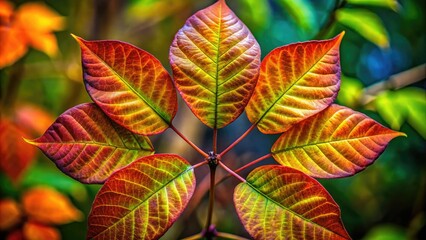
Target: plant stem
232,172
211,196
194,237
189,141
230,236
244,167
237,141
199,164
253,162
215,140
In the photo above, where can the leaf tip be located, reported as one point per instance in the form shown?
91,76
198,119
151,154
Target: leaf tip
77,38
29,141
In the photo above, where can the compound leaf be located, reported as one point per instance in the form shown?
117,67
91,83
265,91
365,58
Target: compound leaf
215,61
142,200
86,145
336,142
129,85
296,81
278,202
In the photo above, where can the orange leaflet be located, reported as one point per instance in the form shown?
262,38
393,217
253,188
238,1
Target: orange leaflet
31,25
36,231
16,155
10,214
25,115
46,205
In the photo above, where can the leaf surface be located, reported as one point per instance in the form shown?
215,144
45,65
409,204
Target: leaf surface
86,145
295,82
142,200
336,142
46,205
279,202
215,61
129,85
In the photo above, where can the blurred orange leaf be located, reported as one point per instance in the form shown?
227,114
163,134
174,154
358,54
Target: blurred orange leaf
49,206
10,214
36,231
25,115
15,154
31,25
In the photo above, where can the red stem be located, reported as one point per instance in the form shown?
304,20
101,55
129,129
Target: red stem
205,155
199,164
232,172
253,162
237,141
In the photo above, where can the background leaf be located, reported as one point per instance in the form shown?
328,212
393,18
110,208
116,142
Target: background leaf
46,205
301,12
365,23
142,200
295,82
16,155
37,231
408,104
392,4
279,202
129,85
10,213
86,145
336,142
215,61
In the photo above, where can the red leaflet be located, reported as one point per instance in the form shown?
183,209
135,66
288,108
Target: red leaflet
129,85
295,82
279,202
215,61
85,144
142,200
336,142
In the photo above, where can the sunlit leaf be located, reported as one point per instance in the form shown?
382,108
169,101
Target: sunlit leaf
16,155
408,104
336,142
392,4
37,231
295,82
129,85
85,144
215,61
365,23
390,109
142,200
46,205
255,13
350,91
279,202
10,214
301,12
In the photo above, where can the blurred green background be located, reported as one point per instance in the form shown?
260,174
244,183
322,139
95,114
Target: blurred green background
383,56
